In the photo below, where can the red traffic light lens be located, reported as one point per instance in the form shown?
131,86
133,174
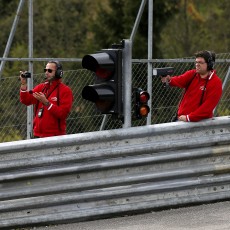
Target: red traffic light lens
144,97
103,73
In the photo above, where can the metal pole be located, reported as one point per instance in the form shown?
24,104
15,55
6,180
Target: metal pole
223,87
127,94
150,56
104,121
226,78
12,32
30,81
127,70
127,82
141,9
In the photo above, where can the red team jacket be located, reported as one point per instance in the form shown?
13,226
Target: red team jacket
53,119
191,104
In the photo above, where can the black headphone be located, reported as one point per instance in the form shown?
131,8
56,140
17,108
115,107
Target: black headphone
210,61
59,70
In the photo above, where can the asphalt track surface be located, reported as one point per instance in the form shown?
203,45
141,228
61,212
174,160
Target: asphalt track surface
214,216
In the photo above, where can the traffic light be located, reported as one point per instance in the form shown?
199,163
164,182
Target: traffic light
141,103
106,92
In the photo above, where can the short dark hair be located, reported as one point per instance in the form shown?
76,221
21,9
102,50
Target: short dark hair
57,63
209,57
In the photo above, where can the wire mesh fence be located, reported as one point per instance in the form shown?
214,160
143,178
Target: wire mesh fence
85,118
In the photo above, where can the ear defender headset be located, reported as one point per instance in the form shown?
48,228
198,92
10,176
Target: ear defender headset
210,61
59,70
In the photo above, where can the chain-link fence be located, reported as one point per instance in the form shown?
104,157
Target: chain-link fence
85,118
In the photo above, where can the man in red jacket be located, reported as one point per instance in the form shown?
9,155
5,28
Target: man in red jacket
203,89
52,101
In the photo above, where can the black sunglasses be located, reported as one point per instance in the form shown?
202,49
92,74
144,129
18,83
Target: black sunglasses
49,70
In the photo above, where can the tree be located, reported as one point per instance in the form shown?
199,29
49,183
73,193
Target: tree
116,19
198,25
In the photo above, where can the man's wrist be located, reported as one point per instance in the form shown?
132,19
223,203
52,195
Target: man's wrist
47,103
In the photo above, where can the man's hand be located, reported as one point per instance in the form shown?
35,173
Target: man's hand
41,97
182,118
165,80
23,81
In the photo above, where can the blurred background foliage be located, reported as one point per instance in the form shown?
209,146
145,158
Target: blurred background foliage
74,28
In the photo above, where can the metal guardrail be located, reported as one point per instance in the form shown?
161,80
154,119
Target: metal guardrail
102,174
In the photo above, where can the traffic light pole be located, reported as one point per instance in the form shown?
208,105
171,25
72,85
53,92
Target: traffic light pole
127,82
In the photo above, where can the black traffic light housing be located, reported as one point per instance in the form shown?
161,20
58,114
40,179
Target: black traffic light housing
141,103
106,92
